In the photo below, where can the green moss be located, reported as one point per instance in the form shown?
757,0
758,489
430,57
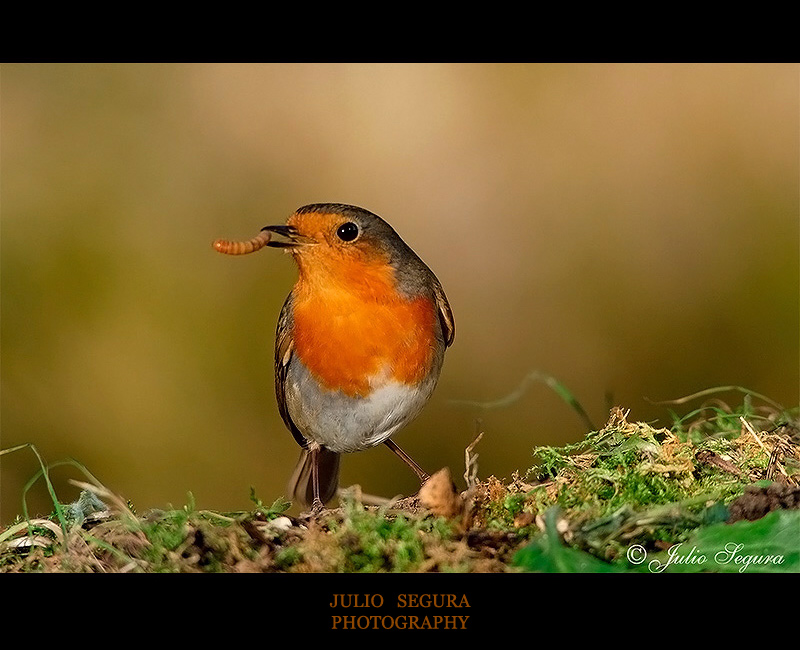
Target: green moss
287,557
372,541
631,482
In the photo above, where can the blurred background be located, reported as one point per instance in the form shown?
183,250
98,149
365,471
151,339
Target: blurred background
629,229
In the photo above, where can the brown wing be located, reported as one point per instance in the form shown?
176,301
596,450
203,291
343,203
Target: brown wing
284,348
445,314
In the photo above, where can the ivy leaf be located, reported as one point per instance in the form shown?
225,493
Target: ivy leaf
547,554
768,545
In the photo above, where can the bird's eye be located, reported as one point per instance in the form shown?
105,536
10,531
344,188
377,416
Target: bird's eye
347,231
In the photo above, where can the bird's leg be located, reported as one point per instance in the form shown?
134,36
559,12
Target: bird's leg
421,473
316,505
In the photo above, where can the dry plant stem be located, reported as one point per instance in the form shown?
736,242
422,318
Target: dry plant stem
471,463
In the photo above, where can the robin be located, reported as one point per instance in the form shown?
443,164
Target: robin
360,340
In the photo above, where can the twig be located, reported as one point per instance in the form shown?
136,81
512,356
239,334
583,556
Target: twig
471,463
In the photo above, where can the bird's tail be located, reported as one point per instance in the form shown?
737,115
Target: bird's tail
301,485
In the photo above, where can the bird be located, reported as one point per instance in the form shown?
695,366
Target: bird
360,340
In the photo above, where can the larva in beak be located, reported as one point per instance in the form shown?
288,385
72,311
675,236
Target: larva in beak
243,247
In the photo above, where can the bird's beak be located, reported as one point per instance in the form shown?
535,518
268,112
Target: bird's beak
293,238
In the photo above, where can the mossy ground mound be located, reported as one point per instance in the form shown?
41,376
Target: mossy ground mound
717,477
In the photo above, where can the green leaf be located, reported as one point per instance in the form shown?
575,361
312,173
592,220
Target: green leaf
769,545
547,554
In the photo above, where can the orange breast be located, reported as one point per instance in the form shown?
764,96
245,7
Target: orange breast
353,335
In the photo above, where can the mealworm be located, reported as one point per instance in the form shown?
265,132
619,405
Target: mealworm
243,247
